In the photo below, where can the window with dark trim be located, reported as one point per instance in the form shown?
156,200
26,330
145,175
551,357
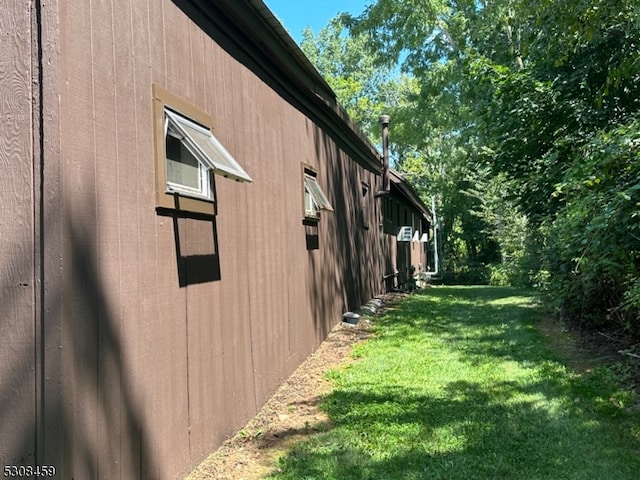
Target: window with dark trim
188,155
365,206
314,198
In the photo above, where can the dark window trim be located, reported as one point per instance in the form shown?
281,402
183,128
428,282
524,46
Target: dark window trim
317,195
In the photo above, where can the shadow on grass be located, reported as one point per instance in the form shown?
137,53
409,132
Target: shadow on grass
551,425
454,438
479,321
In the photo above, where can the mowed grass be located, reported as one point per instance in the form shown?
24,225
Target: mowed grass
457,383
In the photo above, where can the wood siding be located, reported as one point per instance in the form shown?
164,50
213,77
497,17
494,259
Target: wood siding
18,381
399,212
169,331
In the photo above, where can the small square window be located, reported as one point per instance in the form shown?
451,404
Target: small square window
188,155
314,198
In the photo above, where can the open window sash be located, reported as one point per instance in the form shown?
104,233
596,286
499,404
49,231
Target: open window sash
205,147
317,196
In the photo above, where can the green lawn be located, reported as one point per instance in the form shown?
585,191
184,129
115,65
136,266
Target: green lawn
457,383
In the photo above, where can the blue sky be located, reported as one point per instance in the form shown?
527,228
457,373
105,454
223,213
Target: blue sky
296,15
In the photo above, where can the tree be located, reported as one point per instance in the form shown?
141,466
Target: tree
365,89
579,78
537,101
437,44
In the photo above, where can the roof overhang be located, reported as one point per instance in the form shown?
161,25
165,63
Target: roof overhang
400,185
254,36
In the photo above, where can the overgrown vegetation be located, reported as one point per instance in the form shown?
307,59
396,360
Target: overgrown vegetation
459,384
522,117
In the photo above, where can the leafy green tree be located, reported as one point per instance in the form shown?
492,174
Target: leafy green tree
578,78
594,242
438,43
563,130
365,89
525,112
522,117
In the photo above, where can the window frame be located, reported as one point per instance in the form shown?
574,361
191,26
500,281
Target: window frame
204,145
196,128
311,191
364,206
204,174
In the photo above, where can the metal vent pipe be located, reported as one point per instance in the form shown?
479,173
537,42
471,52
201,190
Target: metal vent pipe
384,122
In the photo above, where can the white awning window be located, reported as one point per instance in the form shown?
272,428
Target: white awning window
315,199
204,146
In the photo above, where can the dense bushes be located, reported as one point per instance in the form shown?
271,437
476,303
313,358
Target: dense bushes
563,131
466,273
593,250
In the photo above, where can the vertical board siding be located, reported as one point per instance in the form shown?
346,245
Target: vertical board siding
264,258
80,341
106,404
48,236
147,18
17,282
128,117
158,372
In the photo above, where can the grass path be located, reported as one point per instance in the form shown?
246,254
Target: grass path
458,384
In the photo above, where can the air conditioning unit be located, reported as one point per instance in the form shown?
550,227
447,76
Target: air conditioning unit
405,234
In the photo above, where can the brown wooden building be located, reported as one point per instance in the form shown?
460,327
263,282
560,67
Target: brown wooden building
185,213
402,208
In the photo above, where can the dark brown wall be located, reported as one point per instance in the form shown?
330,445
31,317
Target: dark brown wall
160,359
30,296
18,382
399,212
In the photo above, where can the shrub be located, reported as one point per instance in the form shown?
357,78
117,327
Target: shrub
593,244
